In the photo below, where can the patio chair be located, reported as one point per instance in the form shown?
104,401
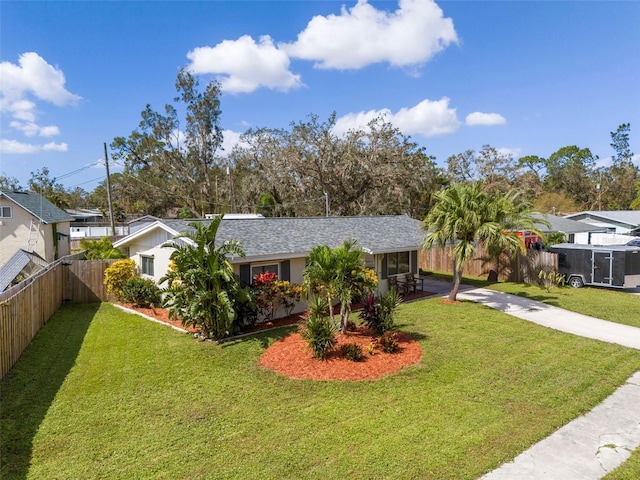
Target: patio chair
400,287
411,283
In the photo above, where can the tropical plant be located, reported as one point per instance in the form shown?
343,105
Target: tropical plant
351,278
101,249
319,274
465,215
117,274
339,272
203,290
549,279
319,331
379,314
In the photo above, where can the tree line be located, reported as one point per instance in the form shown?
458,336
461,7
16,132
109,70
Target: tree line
173,165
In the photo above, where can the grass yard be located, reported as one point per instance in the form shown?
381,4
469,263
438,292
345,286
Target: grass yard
605,303
105,394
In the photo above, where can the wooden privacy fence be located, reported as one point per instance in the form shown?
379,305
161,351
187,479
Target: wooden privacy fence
521,268
25,308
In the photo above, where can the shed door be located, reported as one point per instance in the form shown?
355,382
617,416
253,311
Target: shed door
602,263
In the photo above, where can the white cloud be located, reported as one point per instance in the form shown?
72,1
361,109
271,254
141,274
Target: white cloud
32,78
513,152
34,75
15,147
362,36
485,119
230,140
428,118
243,65
30,129
56,147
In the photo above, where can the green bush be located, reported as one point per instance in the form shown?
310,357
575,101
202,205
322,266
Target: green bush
353,352
388,342
141,292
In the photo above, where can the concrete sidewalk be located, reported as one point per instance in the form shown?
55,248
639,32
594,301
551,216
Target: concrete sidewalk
556,318
594,444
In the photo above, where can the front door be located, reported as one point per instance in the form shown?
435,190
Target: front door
602,263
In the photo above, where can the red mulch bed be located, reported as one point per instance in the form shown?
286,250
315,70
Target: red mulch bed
291,357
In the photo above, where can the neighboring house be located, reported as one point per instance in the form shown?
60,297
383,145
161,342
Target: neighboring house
618,223
19,267
575,232
32,223
281,245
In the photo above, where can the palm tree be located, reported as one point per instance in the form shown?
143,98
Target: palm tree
515,215
350,279
319,274
339,272
203,289
465,215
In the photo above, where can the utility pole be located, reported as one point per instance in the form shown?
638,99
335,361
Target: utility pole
231,203
106,164
326,203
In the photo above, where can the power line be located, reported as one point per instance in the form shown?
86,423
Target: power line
60,177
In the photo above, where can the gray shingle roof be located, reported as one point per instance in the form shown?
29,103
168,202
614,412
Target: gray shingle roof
566,225
38,206
290,237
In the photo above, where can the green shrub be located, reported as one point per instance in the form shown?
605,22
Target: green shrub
319,331
141,292
388,342
353,352
117,274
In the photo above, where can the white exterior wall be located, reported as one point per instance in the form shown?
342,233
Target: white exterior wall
609,239
14,235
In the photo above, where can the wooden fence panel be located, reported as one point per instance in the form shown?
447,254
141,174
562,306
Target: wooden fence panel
33,302
521,268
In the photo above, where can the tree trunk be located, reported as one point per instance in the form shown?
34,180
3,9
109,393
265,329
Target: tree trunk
457,279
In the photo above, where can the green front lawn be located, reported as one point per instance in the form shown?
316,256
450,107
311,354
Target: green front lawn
105,394
605,303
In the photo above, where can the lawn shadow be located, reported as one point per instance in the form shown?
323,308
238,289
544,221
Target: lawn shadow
28,390
265,337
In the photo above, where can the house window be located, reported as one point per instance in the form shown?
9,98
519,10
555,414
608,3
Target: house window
258,269
398,263
146,265
5,212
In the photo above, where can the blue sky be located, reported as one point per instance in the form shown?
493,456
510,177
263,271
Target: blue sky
526,77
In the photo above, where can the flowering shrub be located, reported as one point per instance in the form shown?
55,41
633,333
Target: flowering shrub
264,280
287,294
269,292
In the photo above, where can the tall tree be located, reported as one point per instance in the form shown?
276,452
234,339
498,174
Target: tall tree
370,170
618,182
571,170
495,168
9,183
176,164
